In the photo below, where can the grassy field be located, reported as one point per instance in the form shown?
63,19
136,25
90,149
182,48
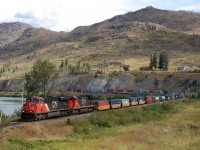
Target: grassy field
169,126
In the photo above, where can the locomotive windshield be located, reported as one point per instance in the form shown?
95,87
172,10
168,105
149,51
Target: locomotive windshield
28,100
35,101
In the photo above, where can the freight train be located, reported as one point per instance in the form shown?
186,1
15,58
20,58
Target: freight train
37,108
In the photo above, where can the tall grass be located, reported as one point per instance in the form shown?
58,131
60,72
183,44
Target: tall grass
136,124
99,121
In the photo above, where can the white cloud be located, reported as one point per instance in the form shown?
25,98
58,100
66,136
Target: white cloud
67,14
59,14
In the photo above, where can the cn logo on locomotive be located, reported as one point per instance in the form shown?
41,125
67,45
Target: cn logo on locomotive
54,104
84,101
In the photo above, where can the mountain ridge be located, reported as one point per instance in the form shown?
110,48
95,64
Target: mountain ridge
128,37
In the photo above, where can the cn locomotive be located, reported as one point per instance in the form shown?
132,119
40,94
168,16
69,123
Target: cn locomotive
37,108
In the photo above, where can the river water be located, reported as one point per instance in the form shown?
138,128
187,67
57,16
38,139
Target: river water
9,104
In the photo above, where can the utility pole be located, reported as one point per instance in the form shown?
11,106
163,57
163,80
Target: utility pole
22,98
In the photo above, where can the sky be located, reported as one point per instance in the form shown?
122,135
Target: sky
65,15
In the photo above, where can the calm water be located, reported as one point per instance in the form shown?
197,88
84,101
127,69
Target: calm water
9,104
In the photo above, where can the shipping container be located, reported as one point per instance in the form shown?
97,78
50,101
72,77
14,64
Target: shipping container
180,95
159,92
162,98
155,99
167,97
115,103
165,92
110,90
173,96
99,90
152,91
139,91
148,99
125,102
120,91
78,90
140,100
130,91
101,104
133,101
70,90
145,91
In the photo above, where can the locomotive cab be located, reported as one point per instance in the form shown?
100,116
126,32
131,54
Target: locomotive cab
72,102
32,107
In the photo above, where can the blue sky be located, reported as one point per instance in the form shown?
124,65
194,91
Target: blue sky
65,15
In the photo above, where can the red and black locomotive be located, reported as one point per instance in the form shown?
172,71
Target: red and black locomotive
36,108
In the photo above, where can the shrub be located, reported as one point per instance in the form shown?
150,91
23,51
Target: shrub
126,67
70,122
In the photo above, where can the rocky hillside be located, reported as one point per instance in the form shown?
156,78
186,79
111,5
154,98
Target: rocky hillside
31,39
175,82
181,21
10,32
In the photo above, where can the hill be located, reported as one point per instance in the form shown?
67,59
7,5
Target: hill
125,39
182,21
9,32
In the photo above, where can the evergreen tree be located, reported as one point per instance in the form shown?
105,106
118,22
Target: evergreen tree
166,61
78,67
66,64
154,61
88,67
61,65
151,62
161,63
72,70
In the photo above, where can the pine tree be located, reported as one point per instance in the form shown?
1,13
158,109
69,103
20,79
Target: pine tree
151,62
161,63
155,61
66,64
61,65
166,61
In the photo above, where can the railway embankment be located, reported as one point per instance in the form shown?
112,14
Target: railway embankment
136,80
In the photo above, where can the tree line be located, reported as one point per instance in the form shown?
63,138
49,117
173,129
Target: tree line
78,68
42,78
161,64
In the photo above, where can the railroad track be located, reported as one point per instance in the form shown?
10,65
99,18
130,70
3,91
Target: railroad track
55,119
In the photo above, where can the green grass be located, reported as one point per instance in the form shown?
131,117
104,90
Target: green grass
173,125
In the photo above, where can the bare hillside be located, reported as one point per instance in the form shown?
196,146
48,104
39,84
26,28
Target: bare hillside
9,32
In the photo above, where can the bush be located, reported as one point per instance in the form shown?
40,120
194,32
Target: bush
126,67
101,120
114,74
17,112
70,122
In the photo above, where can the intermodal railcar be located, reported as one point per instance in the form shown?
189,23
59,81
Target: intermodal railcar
37,108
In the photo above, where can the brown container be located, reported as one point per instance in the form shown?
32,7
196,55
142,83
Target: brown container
101,104
148,99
